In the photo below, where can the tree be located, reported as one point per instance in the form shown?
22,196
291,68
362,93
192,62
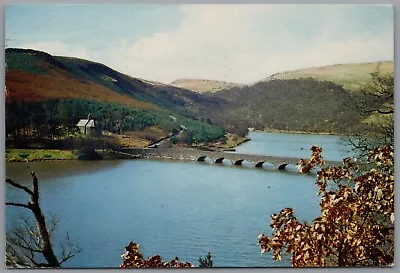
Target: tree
30,240
376,102
133,258
356,226
206,261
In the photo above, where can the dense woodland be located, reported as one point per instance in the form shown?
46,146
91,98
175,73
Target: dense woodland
50,120
294,105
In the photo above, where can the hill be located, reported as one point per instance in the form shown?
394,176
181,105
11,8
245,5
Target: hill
201,86
305,105
350,76
46,93
36,75
308,103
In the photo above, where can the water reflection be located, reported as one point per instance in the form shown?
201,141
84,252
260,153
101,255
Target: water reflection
45,170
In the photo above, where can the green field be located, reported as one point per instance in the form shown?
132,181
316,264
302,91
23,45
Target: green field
19,155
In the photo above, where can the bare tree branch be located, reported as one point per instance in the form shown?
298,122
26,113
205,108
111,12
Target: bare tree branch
37,238
26,247
18,205
16,185
67,257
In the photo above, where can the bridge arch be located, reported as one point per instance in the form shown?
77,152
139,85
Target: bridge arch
219,160
202,158
260,164
282,166
239,162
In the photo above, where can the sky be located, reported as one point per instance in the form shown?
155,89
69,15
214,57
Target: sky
240,43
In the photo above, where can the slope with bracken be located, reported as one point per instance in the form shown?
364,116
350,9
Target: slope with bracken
60,90
35,75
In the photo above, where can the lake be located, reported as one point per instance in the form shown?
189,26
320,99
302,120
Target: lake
171,208
294,145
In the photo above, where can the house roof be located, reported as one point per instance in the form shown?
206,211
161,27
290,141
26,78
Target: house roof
85,122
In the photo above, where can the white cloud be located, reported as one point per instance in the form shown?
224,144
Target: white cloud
238,43
219,42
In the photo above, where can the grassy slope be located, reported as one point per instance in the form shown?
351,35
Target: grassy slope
350,76
203,85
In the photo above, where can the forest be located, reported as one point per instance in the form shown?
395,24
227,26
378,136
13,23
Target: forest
305,105
48,122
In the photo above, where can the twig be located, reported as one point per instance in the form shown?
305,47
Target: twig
18,205
16,185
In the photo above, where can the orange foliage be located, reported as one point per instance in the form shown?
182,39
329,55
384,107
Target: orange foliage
356,226
133,258
316,159
23,86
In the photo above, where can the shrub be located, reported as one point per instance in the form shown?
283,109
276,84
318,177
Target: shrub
88,154
23,154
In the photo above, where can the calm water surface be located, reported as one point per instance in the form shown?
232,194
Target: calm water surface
183,209
294,145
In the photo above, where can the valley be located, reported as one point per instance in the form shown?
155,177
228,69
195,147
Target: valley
56,92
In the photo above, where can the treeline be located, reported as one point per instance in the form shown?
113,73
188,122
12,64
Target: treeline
47,121
294,105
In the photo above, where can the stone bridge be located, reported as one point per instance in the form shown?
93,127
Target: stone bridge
219,157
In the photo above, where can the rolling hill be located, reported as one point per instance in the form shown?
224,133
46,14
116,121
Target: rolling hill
201,86
36,75
350,76
309,100
55,90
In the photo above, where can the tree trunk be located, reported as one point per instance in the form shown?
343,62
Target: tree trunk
48,252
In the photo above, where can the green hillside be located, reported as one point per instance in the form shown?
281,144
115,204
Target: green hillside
350,76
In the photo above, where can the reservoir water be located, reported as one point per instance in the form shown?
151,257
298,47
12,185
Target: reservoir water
294,145
171,208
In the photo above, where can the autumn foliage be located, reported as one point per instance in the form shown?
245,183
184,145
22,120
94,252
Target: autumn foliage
133,258
316,159
24,86
356,226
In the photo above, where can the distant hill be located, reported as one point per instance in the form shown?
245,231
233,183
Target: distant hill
201,86
305,105
350,76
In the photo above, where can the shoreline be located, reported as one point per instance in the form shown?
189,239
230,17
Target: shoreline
294,132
